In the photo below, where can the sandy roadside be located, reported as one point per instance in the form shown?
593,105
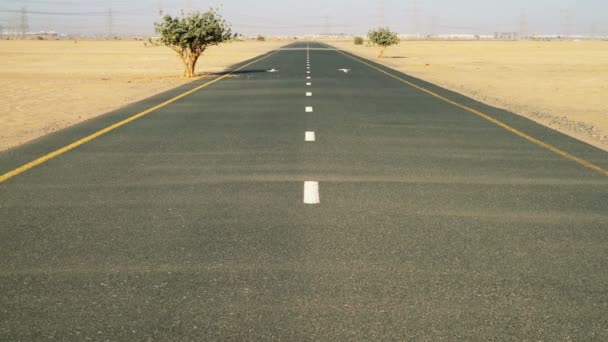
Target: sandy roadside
50,85
562,85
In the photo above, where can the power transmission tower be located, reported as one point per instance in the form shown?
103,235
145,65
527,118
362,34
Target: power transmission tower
434,25
414,12
593,30
380,10
566,22
24,26
523,25
159,4
110,23
326,25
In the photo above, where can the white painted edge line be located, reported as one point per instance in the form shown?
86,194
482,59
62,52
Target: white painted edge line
310,136
311,193
308,83
309,94
309,109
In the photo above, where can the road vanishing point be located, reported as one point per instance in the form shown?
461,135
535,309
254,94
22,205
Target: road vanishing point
305,204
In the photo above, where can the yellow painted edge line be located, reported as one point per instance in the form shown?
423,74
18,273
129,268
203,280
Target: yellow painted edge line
56,153
495,121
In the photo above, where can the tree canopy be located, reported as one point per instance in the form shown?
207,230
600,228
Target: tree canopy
190,35
383,37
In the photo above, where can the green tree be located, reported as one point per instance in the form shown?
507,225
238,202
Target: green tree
191,35
383,37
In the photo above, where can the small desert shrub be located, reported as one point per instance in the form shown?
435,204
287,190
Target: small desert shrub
237,38
358,41
40,38
261,38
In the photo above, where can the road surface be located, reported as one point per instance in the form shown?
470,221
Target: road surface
411,214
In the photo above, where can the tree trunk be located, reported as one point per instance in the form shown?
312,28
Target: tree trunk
190,66
189,57
185,63
381,53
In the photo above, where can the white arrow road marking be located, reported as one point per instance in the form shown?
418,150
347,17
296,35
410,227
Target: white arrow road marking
309,109
311,193
272,70
346,71
310,136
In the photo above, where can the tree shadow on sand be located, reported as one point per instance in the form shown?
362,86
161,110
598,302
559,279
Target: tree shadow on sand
228,72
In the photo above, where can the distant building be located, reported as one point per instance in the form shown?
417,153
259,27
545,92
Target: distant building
506,35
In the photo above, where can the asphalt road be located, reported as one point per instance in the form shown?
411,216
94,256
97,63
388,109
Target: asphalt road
189,224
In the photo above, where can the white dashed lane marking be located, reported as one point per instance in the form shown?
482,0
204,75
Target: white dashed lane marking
311,193
311,189
310,136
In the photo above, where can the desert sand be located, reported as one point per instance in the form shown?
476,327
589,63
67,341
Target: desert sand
50,85
561,84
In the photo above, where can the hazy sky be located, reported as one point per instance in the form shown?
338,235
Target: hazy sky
290,17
